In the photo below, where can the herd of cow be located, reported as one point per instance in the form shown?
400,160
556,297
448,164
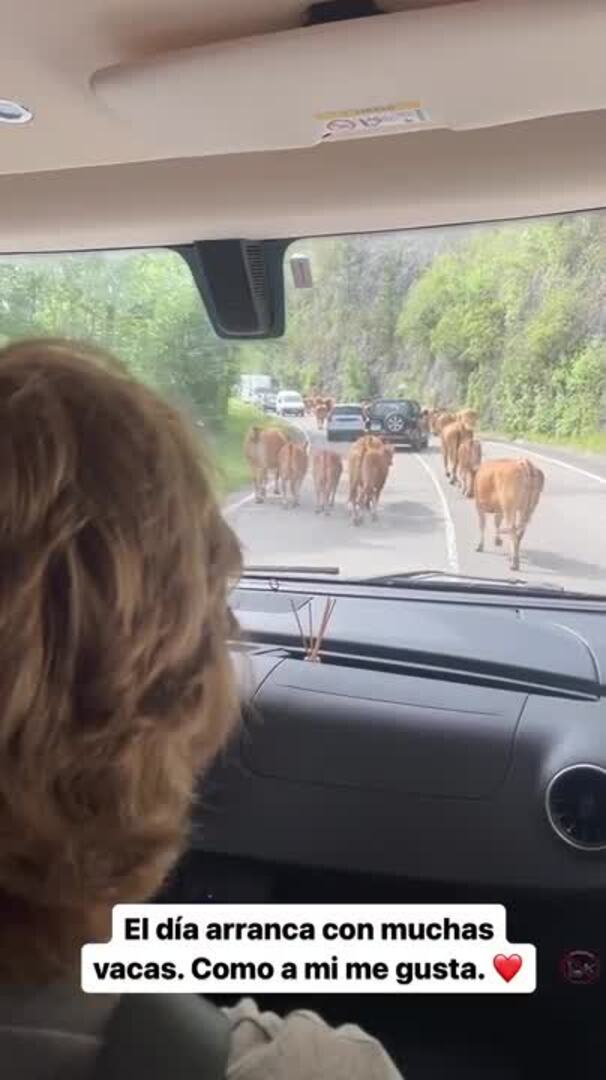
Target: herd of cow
508,488
319,407
269,451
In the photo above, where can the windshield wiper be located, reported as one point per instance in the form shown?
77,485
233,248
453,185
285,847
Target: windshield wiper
446,577
273,569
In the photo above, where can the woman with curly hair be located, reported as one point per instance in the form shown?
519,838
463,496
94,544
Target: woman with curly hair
116,691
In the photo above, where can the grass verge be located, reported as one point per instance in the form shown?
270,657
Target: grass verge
586,444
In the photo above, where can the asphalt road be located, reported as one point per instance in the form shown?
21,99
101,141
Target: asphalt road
425,524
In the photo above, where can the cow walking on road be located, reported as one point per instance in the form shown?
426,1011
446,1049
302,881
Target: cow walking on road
367,477
468,462
510,489
262,449
327,468
321,413
292,467
375,467
451,437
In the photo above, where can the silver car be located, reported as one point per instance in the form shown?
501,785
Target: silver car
346,421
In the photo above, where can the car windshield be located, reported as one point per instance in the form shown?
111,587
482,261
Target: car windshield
384,408
491,337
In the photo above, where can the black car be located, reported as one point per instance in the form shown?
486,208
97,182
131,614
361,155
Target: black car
397,420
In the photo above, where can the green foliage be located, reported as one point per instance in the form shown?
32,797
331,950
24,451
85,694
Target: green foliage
143,306
512,323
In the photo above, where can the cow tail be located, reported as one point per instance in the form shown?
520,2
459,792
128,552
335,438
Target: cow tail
529,471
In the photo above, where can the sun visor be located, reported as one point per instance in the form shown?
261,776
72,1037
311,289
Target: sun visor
460,67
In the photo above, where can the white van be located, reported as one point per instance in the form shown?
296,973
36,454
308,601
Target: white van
290,403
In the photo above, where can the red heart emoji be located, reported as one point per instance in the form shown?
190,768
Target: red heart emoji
507,966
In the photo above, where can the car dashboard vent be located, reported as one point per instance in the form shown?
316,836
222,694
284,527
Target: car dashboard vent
575,801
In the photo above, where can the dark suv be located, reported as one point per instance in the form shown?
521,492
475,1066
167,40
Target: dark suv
397,421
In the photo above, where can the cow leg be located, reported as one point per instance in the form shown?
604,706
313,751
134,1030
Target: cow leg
498,539
276,482
482,524
260,483
517,537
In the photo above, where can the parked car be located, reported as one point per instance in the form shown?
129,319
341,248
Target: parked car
398,421
290,403
345,421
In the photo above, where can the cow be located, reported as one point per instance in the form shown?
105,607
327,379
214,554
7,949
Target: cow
425,421
469,417
440,418
375,466
292,467
327,467
451,437
308,405
321,413
366,444
509,488
469,459
262,448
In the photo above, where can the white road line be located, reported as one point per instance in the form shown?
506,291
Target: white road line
452,556
230,508
552,461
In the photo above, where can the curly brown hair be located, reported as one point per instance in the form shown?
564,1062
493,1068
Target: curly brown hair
115,679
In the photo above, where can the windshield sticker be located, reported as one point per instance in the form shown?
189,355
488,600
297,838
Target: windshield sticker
376,120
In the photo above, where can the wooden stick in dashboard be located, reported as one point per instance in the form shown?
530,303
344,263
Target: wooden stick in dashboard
314,653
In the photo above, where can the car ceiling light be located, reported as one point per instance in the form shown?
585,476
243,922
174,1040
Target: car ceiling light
11,112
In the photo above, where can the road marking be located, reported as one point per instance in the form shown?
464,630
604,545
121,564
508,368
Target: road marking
552,461
230,508
452,556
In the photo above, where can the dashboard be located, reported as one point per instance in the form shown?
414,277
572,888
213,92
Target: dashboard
449,746
439,739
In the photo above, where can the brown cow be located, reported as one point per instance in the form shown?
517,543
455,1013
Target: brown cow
327,468
451,437
292,467
469,417
468,462
367,444
262,448
510,489
373,474
441,418
370,442
321,413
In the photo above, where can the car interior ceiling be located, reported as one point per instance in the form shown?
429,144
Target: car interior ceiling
412,765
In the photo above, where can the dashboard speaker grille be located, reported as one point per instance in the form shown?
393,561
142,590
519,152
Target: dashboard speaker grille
575,801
